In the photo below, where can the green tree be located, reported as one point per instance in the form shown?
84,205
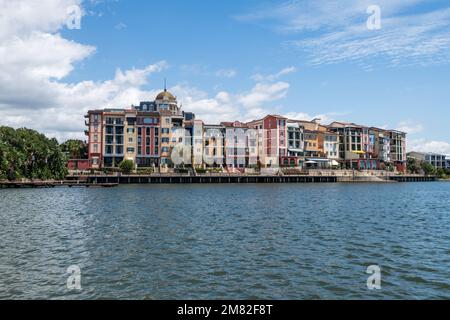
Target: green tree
75,149
413,166
25,153
441,173
126,166
428,168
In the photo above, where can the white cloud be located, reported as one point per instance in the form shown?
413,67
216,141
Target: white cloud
226,73
120,26
272,77
263,93
340,32
35,59
226,106
410,127
324,118
423,145
21,17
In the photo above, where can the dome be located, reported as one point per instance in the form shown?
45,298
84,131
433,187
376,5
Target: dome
166,96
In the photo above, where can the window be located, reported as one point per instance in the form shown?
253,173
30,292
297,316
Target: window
130,150
130,130
148,131
130,140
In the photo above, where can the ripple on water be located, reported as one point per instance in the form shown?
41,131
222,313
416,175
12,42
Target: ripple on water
227,241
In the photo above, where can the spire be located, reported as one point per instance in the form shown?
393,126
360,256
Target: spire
165,85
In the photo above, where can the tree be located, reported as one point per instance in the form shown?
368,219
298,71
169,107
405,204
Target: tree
126,166
26,153
428,168
75,149
413,166
441,173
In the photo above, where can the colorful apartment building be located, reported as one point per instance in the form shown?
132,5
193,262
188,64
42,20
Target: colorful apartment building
158,134
439,161
272,139
398,149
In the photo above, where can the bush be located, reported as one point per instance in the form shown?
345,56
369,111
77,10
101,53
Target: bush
428,168
126,166
145,171
441,173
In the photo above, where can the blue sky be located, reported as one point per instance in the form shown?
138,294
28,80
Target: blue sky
232,60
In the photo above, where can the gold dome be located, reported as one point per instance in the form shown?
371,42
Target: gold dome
166,96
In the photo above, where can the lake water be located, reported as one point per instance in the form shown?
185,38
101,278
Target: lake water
280,241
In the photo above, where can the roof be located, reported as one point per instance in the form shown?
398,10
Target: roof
346,124
235,124
270,115
166,96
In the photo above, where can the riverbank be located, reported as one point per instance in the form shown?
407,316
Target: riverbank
109,181
53,184
224,179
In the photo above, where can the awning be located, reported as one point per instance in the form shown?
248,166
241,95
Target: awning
295,150
318,160
334,163
310,162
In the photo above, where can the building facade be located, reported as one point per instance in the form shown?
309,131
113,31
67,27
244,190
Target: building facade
439,161
159,134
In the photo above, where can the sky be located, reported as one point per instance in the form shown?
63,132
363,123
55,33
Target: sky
230,60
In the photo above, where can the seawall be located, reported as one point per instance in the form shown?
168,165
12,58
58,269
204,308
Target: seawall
174,179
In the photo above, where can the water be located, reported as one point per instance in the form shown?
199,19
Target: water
280,241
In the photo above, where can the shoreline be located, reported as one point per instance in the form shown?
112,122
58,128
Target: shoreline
114,181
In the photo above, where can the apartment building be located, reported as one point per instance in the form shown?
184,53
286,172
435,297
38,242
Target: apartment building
439,161
398,149
159,134
272,139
